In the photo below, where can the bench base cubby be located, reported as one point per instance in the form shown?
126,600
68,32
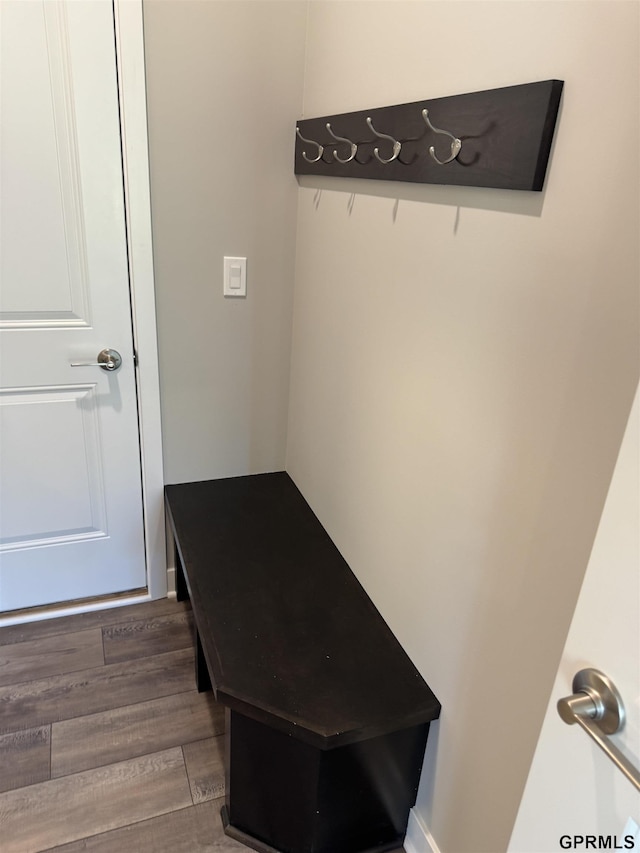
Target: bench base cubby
287,796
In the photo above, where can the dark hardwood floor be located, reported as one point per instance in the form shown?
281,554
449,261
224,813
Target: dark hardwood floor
105,744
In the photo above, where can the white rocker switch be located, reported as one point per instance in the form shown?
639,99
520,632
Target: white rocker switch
235,276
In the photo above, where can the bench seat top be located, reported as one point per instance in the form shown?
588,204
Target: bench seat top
289,635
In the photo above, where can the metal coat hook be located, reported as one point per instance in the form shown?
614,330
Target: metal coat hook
456,144
354,147
311,142
396,145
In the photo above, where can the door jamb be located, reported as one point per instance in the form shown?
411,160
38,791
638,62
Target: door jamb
129,38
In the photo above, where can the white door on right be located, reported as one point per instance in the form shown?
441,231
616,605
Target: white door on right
575,797
71,524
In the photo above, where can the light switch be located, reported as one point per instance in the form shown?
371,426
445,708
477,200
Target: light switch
235,276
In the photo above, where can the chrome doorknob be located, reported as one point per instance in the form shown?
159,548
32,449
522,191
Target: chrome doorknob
597,707
108,359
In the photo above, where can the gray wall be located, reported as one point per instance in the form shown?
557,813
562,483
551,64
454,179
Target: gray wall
463,360
224,86
463,366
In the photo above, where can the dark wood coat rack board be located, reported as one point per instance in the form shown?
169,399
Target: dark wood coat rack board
504,136
328,718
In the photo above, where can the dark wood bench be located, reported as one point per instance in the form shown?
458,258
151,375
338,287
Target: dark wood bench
327,717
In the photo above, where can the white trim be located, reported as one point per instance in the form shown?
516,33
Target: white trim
129,36
418,838
57,611
171,559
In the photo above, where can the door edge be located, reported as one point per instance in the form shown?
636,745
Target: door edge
129,44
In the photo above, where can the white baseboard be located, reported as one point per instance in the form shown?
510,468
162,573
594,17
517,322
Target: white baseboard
171,582
37,614
418,838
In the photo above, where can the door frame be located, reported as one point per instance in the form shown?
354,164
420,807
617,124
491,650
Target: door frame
129,40
129,49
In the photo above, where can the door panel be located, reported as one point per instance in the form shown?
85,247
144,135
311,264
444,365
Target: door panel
58,515
70,480
44,253
573,788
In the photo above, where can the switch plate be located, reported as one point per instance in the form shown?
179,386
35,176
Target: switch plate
235,277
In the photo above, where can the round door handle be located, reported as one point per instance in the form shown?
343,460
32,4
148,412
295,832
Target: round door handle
108,359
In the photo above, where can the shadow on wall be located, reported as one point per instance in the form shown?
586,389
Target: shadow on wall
478,198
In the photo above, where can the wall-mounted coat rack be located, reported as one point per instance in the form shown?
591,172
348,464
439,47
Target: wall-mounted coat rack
496,138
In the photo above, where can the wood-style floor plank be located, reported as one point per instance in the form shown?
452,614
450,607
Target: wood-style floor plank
62,697
24,758
96,801
110,736
193,830
205,768
51,656
96,619
152,636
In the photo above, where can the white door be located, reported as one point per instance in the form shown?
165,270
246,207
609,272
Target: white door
574,793
71,522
